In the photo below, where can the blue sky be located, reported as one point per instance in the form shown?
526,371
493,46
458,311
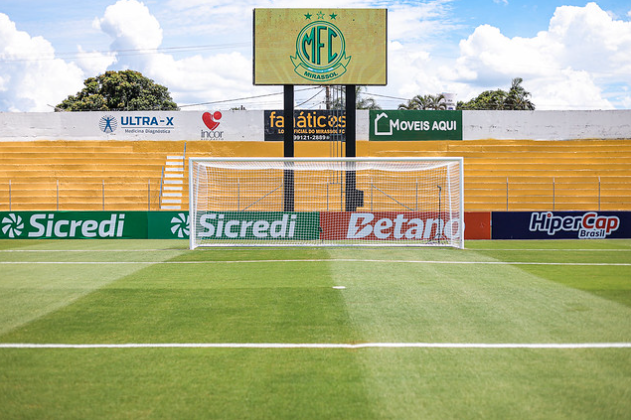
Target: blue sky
571,54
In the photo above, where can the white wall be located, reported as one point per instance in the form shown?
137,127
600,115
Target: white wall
546,125
156,125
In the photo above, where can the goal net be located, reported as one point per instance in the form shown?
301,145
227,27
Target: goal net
326,201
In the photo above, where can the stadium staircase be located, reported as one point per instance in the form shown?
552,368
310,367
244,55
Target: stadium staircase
518,175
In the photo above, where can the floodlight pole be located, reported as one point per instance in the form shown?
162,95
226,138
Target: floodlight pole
288,146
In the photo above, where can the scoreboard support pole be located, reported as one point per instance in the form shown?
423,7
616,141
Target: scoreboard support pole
288,145
354,197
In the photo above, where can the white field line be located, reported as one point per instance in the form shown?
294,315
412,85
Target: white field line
186,249
552,249
553,346
92,250
324,260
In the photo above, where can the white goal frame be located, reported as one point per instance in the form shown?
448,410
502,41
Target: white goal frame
449,191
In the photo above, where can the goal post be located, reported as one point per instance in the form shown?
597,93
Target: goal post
329,202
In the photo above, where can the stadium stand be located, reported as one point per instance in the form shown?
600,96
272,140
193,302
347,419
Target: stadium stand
500,175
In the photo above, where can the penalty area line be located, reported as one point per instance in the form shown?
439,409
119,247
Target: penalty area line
536,346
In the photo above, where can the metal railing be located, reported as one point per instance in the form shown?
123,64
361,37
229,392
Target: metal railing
95,196
515,194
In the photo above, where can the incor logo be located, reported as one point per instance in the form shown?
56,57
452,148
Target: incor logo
12,226
320,50
108,124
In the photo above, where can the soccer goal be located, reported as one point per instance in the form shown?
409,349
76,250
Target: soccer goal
326,202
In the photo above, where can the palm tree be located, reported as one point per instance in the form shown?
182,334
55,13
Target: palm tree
436,102
517,97
425,102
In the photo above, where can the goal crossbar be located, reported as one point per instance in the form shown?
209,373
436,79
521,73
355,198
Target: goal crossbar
326,201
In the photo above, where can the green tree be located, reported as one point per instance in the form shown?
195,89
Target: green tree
487,100
517,98
125,90
436,102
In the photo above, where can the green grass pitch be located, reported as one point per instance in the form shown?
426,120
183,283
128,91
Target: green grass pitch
148,329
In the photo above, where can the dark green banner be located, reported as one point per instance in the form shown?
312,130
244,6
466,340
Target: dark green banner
168,225
258,225
157,225
72,225
408,125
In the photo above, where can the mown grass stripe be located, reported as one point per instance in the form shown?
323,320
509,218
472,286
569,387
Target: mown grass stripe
325,260
558,346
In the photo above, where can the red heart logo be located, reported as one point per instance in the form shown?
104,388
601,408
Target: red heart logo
209,119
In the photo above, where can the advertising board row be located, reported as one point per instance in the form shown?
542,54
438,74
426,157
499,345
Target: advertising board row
372,226
233,125
228,225
399,125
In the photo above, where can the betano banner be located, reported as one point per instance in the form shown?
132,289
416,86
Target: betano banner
409,125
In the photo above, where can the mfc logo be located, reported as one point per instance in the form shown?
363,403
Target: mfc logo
588,225
320,49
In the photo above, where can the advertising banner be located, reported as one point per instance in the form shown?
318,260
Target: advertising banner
72,225
168,225
320,46
258,225
317,125
214,125
477,225
407,125
388,226
561,225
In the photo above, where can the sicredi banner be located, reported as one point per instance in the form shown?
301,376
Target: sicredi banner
320,46
561,225
72,225
257,225
409,125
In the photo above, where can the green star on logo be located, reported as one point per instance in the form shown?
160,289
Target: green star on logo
308,16
333,16
320,15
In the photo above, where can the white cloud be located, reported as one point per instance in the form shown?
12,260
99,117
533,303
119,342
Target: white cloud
94,62
131,25
31,77
193,79
566,67
136,34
